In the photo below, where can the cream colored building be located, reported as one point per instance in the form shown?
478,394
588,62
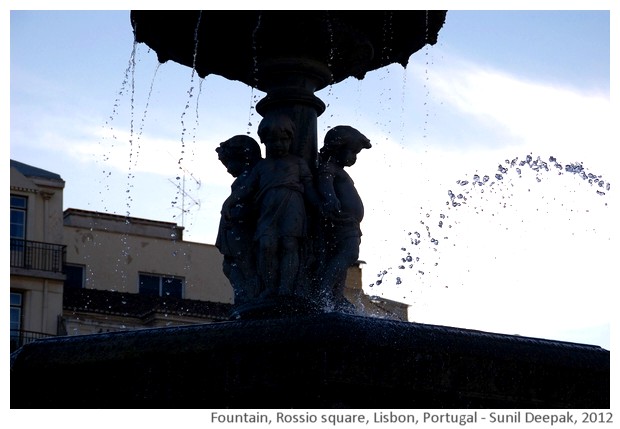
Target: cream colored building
37,252
138,273
120,253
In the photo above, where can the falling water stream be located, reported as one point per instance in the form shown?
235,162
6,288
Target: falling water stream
127,92
181,191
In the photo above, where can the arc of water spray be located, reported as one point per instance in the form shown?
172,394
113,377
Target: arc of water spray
479,183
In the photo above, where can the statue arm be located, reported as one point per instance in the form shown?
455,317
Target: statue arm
240,194
325,184
310,192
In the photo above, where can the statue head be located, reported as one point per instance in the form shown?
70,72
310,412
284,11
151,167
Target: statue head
342,144
276,132
238,154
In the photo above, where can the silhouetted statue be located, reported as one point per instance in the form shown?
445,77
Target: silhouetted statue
239,155
343,211
279,185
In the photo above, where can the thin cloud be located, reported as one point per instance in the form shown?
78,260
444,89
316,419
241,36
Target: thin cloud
534,113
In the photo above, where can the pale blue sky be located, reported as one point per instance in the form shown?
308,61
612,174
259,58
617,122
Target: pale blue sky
497,85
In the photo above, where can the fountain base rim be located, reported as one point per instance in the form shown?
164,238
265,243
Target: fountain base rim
275,307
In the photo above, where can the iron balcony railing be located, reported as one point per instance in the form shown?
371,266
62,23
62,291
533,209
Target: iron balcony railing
20,337
36,255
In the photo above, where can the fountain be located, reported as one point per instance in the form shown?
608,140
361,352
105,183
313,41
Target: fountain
292,342
289,55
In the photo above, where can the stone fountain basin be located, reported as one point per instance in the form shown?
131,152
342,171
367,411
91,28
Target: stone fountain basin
241,44
328,360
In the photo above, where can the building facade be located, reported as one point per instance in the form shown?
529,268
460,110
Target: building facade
37,253
131,273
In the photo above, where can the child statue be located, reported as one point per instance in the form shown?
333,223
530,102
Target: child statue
239,155
343,211
279,185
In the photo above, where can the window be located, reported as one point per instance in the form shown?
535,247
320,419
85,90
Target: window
19,205
16,319
75,276
160,285
18,216
16,311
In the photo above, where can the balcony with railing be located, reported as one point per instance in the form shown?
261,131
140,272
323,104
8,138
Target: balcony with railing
37,255
21,337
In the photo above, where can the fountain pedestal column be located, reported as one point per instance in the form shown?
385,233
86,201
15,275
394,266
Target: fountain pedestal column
290,84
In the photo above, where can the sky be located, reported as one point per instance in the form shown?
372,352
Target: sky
530,252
